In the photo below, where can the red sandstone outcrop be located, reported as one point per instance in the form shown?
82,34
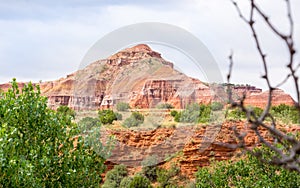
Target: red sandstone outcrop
135,146
141,77
260,99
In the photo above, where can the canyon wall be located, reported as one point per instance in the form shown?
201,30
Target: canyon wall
186,146
141,77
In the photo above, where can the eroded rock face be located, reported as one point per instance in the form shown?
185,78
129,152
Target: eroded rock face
260,99
185,143
142,78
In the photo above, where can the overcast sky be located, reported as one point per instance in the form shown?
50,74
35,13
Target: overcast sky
46,40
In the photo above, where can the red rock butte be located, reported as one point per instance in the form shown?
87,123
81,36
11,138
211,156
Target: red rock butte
141,77
140,47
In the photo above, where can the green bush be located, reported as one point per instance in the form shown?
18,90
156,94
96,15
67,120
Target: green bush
285,113
134,120
125,183
236,114
87,123
248,172
176,115
114,177
123,106
138,116
167,178
149,168
205,112
66,111
118,115
216,106
257,111
150,172
139,181
164,106
108,116
173,113
194,113
36,144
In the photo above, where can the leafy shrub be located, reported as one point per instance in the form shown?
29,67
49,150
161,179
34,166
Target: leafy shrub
36,144
150,167
285,113
108,116
190,114
176,115
204,114
167,178
247,172
66,111
216,106
150,172
123,106
118,115
173,113
280,109
138,116
236,114
164,106
139,181
194,113
125,183
190,184
114,177
257,111
134,120
87,123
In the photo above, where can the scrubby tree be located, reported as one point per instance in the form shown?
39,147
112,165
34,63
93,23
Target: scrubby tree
134,120
114,177
149,167
167,177
66,111
108,116
40,147
139,181
125,183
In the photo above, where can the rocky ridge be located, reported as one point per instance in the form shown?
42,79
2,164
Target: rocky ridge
183,145
141,77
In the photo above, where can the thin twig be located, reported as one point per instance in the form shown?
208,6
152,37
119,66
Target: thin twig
288,155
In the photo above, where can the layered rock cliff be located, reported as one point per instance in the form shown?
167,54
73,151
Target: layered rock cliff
142,78
187,145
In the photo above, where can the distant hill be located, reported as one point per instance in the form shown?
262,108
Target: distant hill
142,78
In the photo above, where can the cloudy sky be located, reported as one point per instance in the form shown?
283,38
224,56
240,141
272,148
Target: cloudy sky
45,40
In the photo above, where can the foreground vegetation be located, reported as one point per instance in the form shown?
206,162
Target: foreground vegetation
246,172
37,144
118,177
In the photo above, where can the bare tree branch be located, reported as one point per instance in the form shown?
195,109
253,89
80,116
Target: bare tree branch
288,154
